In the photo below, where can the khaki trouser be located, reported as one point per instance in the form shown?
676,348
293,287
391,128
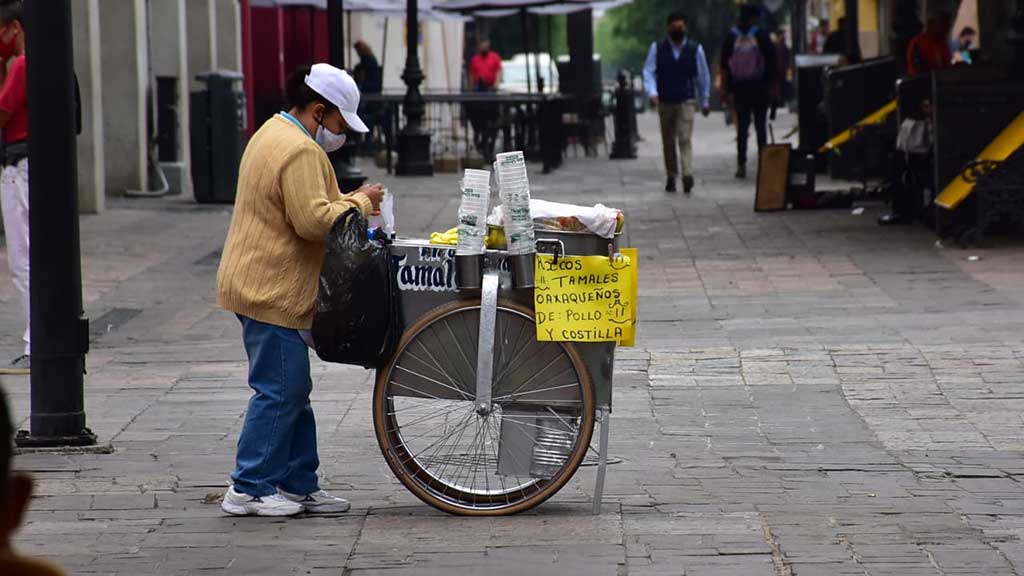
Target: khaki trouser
677,130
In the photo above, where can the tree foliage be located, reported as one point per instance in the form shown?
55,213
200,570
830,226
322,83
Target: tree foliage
506,34
625,34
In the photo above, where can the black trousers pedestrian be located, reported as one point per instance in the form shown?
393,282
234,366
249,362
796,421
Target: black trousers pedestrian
912,177
751,103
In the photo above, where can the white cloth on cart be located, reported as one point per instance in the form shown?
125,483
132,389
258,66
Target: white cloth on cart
599,219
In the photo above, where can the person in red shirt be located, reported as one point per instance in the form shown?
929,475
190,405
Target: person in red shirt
14,179
929,50
484,76
485,68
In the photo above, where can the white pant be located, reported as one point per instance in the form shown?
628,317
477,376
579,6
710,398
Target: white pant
14,196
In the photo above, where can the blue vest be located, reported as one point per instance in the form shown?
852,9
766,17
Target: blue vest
676,77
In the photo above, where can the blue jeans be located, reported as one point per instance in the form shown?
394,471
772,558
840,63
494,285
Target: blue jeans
277,447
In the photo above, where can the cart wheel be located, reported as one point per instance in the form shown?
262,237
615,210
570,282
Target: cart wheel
501,462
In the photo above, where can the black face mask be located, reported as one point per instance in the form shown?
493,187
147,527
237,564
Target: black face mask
677,36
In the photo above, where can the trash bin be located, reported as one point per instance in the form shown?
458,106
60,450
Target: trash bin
810,73
218,136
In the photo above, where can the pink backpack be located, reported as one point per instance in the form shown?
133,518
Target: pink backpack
747,61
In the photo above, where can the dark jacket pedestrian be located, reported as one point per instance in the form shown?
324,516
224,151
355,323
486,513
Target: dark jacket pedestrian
369,77
678,82
837,43
748,67
368,74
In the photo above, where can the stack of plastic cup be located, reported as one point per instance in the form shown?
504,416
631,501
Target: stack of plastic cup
476,192
514,190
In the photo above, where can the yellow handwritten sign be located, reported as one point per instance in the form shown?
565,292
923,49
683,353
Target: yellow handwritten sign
586,298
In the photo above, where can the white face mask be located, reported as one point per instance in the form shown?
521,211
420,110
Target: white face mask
328,140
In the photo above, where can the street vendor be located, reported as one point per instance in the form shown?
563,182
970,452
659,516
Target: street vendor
287,201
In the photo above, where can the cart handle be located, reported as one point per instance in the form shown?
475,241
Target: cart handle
552,246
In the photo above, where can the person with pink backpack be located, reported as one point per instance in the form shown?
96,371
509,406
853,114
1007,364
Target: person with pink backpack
748,71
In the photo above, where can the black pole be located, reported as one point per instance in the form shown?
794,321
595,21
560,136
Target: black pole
852,31
349,177
536,53
413,141
580,28
625,117
60,332
799,26
1015,37
551,51
336,31
524,27
905,25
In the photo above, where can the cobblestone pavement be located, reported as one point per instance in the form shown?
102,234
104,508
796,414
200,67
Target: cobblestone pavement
810,395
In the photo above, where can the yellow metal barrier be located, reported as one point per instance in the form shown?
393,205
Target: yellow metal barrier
876,117
1005,144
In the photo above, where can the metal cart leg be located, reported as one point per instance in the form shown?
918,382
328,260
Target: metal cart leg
603,416
485,351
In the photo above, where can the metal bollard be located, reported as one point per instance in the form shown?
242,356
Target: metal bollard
625,120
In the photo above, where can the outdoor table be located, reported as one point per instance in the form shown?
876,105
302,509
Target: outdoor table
541,130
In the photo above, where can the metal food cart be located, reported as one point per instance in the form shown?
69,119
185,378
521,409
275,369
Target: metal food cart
473,414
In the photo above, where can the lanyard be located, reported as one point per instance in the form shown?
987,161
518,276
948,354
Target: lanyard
296,122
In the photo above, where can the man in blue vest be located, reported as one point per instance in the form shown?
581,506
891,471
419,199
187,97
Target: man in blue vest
677,79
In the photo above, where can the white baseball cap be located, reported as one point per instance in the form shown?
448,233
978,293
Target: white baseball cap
339,89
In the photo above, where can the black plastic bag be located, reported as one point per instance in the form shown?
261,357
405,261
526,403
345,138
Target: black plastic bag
356,320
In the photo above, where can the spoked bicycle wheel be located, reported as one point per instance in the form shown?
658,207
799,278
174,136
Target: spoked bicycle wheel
460,459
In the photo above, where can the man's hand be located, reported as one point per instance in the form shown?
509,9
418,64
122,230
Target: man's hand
654,100
705,110
375,192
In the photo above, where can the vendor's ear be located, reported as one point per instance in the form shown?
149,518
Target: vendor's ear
319,110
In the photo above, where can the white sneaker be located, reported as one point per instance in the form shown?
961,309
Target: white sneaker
318,502
239,504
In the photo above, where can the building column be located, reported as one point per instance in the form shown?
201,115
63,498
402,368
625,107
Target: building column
125,76
170,59
202,40
92,182
228,35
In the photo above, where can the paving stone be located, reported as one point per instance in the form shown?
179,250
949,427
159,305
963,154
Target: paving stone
809,394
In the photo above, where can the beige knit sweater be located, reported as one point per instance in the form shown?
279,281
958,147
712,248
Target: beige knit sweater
287,200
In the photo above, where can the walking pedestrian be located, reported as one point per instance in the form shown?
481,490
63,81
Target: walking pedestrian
748,68
368,74
963,48
819,34
287,201
485,71
929,50
780,89
676,78
14,177
485,68
836,43
369,77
